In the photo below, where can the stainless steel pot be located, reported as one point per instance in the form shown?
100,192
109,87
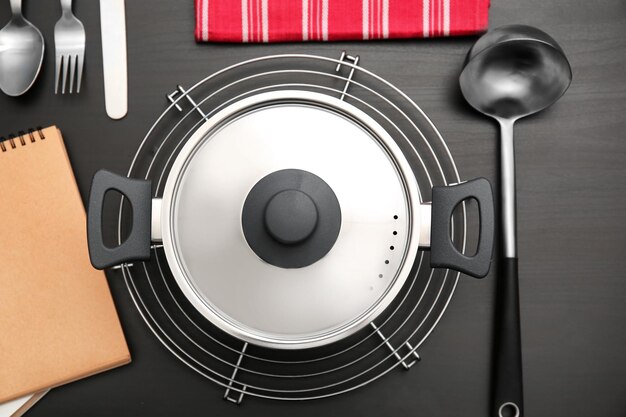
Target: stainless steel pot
291,219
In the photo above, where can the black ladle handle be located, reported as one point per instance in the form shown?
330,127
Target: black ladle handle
137,246
507,372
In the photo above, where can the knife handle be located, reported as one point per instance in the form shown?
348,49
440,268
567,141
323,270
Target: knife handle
507,372
114,61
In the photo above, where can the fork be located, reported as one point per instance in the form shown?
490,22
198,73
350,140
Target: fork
69,41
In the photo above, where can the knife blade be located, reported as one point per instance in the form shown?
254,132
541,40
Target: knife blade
113,29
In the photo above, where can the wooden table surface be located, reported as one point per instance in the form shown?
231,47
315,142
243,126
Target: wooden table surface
571,204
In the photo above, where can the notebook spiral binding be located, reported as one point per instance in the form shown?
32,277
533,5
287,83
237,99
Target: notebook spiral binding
21,138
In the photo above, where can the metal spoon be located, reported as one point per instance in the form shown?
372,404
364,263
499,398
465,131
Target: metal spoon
512,72
21,53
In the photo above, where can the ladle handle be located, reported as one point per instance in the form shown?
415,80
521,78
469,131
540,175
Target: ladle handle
507,372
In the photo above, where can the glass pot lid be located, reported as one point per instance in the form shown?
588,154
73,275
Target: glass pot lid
289,219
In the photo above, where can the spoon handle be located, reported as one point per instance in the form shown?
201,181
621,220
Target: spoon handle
16,7
507,373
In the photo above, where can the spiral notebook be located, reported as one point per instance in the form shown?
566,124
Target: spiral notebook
57,318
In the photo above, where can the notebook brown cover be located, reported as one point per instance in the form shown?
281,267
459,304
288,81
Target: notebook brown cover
57,318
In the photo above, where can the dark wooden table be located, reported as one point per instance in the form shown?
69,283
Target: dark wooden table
571,205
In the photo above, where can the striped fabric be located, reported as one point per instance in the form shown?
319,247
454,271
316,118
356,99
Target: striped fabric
334,20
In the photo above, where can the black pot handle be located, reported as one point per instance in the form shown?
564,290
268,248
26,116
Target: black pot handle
443,253
137,245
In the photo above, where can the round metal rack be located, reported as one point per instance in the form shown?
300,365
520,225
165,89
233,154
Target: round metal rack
242,369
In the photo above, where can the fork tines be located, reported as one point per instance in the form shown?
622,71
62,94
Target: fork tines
75,65
69,42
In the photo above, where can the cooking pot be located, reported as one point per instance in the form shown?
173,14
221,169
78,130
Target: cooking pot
291,219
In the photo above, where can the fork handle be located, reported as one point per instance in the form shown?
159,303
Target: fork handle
66,5
16,7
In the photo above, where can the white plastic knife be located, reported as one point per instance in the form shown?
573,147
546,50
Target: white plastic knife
113,28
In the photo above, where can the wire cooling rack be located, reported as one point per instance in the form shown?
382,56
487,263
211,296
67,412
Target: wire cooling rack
391,342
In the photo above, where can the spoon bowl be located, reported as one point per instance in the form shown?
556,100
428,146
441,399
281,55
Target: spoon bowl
21,53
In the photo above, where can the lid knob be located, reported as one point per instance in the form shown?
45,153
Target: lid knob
290,216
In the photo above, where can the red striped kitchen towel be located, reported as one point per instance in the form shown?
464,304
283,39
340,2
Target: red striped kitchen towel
333,20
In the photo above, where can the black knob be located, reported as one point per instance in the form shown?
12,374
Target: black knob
290,217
